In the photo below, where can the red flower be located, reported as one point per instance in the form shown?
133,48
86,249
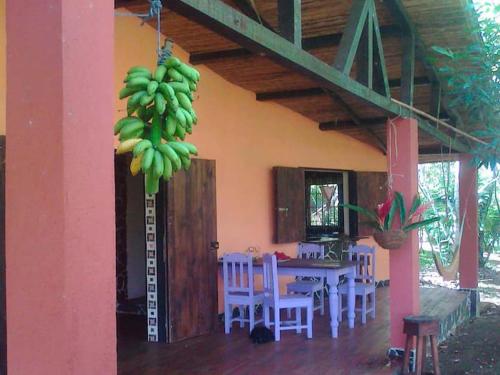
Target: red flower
384,208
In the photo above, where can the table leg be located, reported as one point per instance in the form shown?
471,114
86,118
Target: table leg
333,299
351,300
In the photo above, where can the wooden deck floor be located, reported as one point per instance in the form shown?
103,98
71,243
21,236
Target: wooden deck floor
361,350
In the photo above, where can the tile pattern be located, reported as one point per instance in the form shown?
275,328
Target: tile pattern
151,268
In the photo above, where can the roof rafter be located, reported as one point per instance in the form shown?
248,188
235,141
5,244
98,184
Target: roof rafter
241,29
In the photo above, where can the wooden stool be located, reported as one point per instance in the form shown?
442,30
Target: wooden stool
421,326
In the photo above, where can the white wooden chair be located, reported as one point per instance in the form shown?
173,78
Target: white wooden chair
239,290
272,298
364,282
310,287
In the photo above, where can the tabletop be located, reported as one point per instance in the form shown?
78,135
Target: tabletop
311,263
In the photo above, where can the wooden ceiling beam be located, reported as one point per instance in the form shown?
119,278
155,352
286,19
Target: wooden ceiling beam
318,91
290,21
232,24
247,9
398,11
308,44
351,125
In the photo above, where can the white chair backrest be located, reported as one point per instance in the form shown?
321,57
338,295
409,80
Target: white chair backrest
270,276
310,251
366,256
238,273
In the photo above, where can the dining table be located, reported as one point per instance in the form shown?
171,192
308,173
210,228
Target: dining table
331,270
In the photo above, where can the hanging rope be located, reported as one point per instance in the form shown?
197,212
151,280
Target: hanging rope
155,7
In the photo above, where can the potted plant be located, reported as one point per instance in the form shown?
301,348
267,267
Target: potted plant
382,219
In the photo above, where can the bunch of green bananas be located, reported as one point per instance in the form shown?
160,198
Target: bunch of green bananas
160,113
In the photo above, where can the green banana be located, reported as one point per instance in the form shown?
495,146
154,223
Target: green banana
138,82
152,183
167,91
136,75
191,148
180,148
160,103
180,132
152,87
179,115
184,101
137,134
189,119
167,168
137,69
186,162
172,62
160,73
170,124
131,127
126,92
180,87
175,75
157,164
131,108
122,122
142,146
188,72
147,159
167,137
170,153
135,99
193,116
147,100
192,86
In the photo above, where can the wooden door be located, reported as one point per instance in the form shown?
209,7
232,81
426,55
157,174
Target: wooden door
289,204
371,189
191,252
3,320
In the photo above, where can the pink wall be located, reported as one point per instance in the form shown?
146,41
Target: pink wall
469,245
402,160
60,191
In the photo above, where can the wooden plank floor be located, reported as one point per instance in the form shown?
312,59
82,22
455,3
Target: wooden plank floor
361,350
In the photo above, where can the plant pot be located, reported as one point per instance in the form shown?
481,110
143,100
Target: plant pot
391,239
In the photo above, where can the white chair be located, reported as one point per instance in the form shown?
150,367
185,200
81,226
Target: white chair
239,290
272,298
310,287
364,281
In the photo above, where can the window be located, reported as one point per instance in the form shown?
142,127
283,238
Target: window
324,194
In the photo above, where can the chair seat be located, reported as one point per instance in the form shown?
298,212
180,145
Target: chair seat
359,288
292,300
304,286
243,298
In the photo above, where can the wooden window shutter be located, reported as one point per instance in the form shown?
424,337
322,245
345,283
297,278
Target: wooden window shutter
289,204
371,189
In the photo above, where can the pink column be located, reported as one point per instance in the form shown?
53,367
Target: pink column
469,249
60,233
402,159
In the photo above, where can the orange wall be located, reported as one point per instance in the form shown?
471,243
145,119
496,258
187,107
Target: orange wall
247,138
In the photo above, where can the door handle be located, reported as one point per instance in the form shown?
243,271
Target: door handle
214,245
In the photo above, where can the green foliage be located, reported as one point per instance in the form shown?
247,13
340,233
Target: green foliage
472,76
438,182
382,220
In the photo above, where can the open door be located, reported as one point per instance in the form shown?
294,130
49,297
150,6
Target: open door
191,252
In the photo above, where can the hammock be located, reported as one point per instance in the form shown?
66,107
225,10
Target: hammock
450,272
